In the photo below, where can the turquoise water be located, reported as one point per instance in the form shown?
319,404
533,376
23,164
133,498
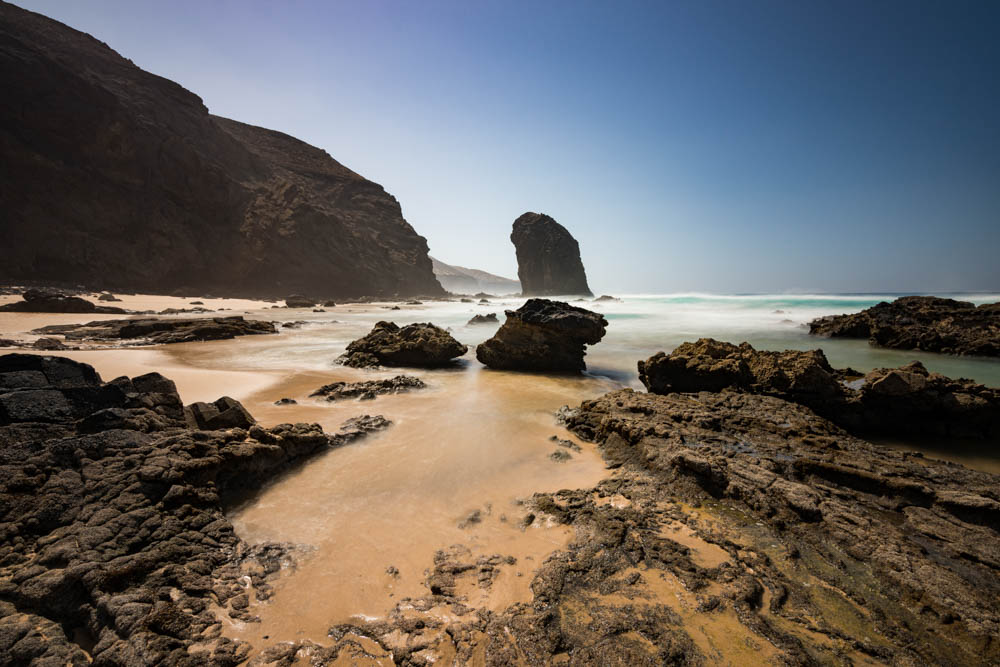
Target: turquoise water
642,325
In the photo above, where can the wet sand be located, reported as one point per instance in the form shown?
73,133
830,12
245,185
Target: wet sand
472,444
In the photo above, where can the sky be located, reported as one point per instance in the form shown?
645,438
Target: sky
709,145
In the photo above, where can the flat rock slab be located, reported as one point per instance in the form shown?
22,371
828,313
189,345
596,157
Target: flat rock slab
160,331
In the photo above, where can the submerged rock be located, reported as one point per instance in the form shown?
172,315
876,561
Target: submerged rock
419,345
905,400
113,514
548,258
921,323
39,301
107,296
543,335
161,331
490,318
369,389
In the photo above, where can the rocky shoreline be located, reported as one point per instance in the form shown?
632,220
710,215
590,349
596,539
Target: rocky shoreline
116,546
923,323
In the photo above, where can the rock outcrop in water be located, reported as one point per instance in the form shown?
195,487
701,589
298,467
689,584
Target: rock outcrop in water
116,177
543,335
548,258
156,331
923,323
906,400
116,547
40,301
367,390
489,318
417,345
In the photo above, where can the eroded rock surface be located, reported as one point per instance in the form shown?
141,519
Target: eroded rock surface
543,335
891,401
548,258
160,331
369,389
40,301
416,345
898,555
921,323
115,546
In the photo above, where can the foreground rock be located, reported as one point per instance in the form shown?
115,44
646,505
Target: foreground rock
548,258
921,323
161,331
835,542
418,345
735,529
39,301
906,400
543,335
106,153
116,545
369,389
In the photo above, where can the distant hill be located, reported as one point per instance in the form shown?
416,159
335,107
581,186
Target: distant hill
114,177
460,280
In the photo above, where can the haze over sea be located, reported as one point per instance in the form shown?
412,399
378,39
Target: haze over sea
641,325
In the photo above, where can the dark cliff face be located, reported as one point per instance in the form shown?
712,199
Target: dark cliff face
116,177
548,258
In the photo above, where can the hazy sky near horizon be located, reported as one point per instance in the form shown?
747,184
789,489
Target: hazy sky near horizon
689,146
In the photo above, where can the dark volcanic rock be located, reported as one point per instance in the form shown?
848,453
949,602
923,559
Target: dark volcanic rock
921,323
369,389
116,176
490,318
106,296
224,413
38,301
543,335
160,331
112,511
420,344
548,258
908,550
906,400
299,301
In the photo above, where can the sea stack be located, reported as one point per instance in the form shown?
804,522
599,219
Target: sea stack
543,335
548,258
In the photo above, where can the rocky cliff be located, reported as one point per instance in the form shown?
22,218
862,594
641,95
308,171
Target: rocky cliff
116,177
548,258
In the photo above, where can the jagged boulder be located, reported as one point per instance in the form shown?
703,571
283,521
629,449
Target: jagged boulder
39,301
490,318
543,335
419,345
921,323
548,258
711,365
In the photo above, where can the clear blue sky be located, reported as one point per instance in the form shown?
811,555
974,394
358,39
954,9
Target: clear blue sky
705,145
